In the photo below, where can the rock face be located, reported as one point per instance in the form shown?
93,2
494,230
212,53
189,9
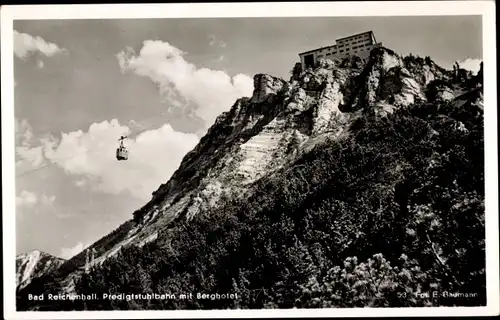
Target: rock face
267,131
34,264
264,87
391,79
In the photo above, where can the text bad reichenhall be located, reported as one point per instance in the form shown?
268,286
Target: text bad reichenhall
128,296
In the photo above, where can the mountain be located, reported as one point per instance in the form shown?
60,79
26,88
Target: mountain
348,185
34,264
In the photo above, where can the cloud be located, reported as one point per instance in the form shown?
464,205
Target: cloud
80,183
28,155
470,64
67,253
208,92
30,199
213,41
90,156
46,200
23,131
27,198
25,44
40,64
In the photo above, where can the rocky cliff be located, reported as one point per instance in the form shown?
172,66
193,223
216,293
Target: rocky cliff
285,121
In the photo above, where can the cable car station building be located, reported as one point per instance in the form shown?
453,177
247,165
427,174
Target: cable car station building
359,44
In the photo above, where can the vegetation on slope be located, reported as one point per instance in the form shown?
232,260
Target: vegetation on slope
380,218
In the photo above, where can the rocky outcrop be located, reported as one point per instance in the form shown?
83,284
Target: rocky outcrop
439,90
265,86
386,80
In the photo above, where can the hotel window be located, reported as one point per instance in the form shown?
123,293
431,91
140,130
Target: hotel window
341,50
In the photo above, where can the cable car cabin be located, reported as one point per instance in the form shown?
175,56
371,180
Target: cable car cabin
121,153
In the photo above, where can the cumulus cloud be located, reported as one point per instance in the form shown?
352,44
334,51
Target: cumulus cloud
68,253
30,199
153,156
29,157
27,198
28,154
25,44
90,156
470,64
208,92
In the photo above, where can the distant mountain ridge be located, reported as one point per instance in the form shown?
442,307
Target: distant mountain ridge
34,264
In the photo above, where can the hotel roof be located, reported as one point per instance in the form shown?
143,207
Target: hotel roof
356,35
338,39
318,49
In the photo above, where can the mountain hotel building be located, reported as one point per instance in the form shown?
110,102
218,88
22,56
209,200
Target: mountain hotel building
359,44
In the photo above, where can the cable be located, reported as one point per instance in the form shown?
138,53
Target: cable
86,151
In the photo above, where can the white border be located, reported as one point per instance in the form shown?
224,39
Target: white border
295,9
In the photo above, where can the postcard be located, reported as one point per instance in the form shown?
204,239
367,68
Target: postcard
249,160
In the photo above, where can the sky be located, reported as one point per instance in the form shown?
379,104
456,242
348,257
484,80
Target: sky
81,84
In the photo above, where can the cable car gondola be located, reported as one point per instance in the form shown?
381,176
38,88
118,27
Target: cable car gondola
121,152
